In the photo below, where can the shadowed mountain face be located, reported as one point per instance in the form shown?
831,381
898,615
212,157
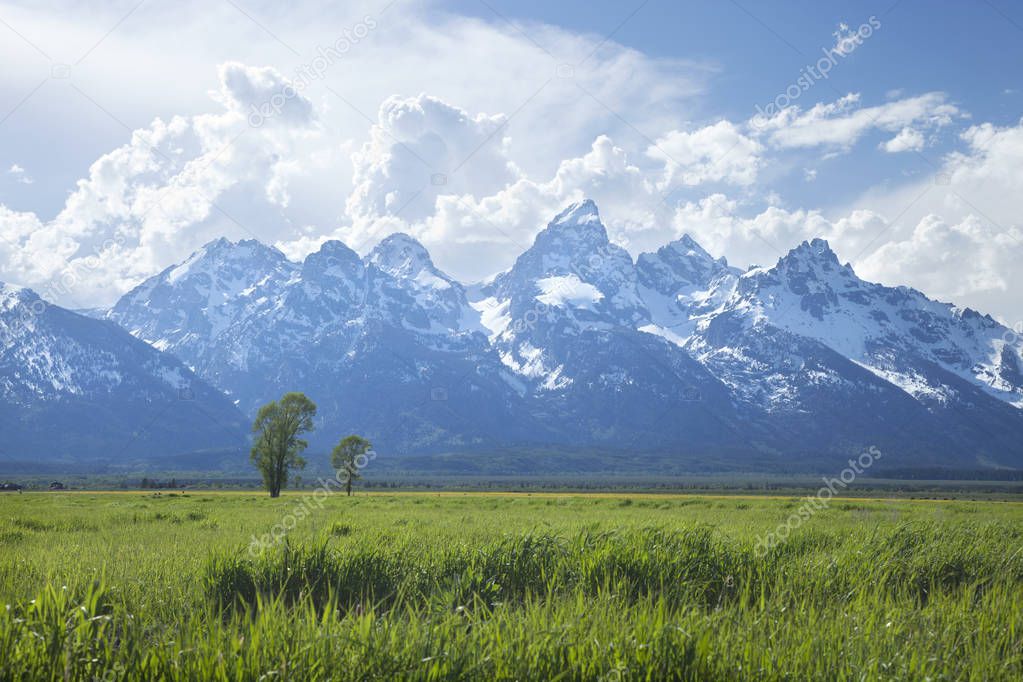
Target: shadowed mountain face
75,388
577,346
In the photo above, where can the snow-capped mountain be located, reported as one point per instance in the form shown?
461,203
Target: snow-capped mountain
187,305
814,346
895,332
565,321
385,346
681,283
579,346
73,387
443,299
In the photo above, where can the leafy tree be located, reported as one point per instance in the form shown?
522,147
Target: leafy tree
344,456
278,447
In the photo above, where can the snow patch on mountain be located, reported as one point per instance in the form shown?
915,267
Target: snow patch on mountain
568,291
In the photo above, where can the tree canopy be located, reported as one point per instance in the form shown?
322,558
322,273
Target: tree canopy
346,457
278,445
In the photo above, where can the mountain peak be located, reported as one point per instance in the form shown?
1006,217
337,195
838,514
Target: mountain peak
576,229
12,294
333,247
579,213
680,264
215,244
214,254
225,245
689,246
813,255
810,271
815,249
401,255
335,258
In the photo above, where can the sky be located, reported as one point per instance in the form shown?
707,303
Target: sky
131,133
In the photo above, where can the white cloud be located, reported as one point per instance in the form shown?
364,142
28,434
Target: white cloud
994,154
969,260
908,140
715,153
959,234
288,180
474,235
716,223
840,124
422,147
153,200
20,175
262,95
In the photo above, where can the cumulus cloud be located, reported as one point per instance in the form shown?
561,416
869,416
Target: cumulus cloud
715,153
152,200
718,223
970,259
422,147
959,234
994,153
262,95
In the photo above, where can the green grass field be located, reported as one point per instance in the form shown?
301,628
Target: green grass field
506,586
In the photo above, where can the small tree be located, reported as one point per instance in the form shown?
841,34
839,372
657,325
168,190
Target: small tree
344,456
278,447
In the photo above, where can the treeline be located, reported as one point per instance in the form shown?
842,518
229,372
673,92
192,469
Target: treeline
153,484
946,474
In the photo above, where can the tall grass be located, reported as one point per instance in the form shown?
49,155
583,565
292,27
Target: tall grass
449,596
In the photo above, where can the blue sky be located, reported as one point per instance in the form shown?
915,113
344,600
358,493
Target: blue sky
973,51
127,137
924,45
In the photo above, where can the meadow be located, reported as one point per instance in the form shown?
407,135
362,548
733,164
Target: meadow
436,586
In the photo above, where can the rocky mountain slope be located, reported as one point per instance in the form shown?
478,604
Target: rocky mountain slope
75,388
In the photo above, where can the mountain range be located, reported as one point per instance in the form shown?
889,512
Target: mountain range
576,348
